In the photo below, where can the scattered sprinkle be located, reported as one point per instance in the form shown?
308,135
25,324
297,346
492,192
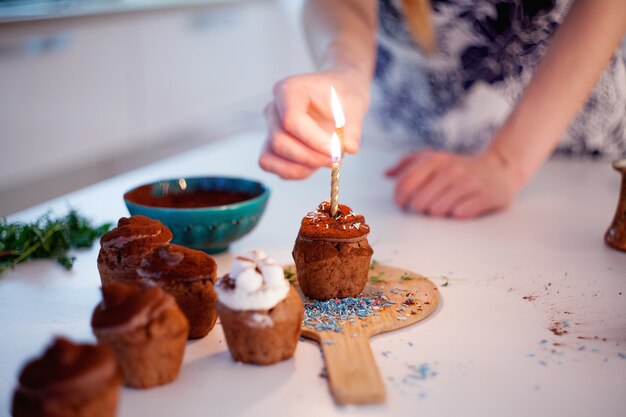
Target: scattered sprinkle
446,281
329,315
621,355
421,372
543,363
401,318
329,342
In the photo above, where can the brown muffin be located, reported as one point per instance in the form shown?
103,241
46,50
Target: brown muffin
122,248
262,337
332,255
69,380
146,330
188,275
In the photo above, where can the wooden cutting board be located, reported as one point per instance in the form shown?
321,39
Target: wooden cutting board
353,375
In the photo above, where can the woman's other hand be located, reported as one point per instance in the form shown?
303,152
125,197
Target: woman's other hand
447,184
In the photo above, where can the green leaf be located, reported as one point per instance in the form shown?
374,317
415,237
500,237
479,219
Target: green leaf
373,264
406,277
46,238
375,278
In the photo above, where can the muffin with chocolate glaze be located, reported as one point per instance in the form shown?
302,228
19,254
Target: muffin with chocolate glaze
69,380
332,255
188,275
146,330
261,313
122,248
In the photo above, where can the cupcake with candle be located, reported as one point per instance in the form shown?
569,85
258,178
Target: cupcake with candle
188,275
122,249
146,330
261,313
69,380
332,254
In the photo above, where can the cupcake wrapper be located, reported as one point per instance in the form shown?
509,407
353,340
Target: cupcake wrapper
263,337
151,355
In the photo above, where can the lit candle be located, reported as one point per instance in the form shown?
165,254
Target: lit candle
335,146
340,119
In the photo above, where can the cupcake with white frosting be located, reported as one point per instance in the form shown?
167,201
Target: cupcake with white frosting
261,313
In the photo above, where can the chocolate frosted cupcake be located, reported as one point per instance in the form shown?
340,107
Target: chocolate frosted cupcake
260,312
122,248
189,276
69,380
146,330
332,255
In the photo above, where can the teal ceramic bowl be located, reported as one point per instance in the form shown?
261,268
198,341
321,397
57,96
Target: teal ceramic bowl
211,229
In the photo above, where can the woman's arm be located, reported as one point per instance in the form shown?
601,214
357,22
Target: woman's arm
579,52
466,186
341,36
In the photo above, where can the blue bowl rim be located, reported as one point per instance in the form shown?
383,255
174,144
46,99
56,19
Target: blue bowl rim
264,194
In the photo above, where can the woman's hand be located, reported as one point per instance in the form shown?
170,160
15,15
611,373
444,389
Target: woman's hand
300,121
446,184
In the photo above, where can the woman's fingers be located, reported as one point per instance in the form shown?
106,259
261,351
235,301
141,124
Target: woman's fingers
400,165
282,167
446,202
287,147
412,179
479,203
432,189
292,104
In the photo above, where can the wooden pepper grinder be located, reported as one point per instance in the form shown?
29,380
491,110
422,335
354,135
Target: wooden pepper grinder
616,235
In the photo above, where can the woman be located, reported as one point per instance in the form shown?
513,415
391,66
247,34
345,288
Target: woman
494,89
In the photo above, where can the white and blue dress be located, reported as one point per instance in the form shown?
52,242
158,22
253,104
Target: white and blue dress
487,52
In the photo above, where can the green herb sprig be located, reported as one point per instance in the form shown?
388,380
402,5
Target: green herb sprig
46,238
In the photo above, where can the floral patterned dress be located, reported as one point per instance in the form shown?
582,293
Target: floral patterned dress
487,53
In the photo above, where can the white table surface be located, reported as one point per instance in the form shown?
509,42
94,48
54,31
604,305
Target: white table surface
490,351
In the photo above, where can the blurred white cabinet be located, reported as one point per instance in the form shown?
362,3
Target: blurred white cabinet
194,65
78,91
63,96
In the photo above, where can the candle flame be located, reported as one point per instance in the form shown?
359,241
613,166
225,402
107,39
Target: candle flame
340,119
335,148
182,184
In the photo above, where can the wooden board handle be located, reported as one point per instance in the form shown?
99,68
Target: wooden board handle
352,372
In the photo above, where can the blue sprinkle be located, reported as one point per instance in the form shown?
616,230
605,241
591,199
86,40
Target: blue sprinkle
422,372
330,315
329,342
410,343
621,355
565,323
543,342
583,347
531,355
386,353
595,350
543,363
